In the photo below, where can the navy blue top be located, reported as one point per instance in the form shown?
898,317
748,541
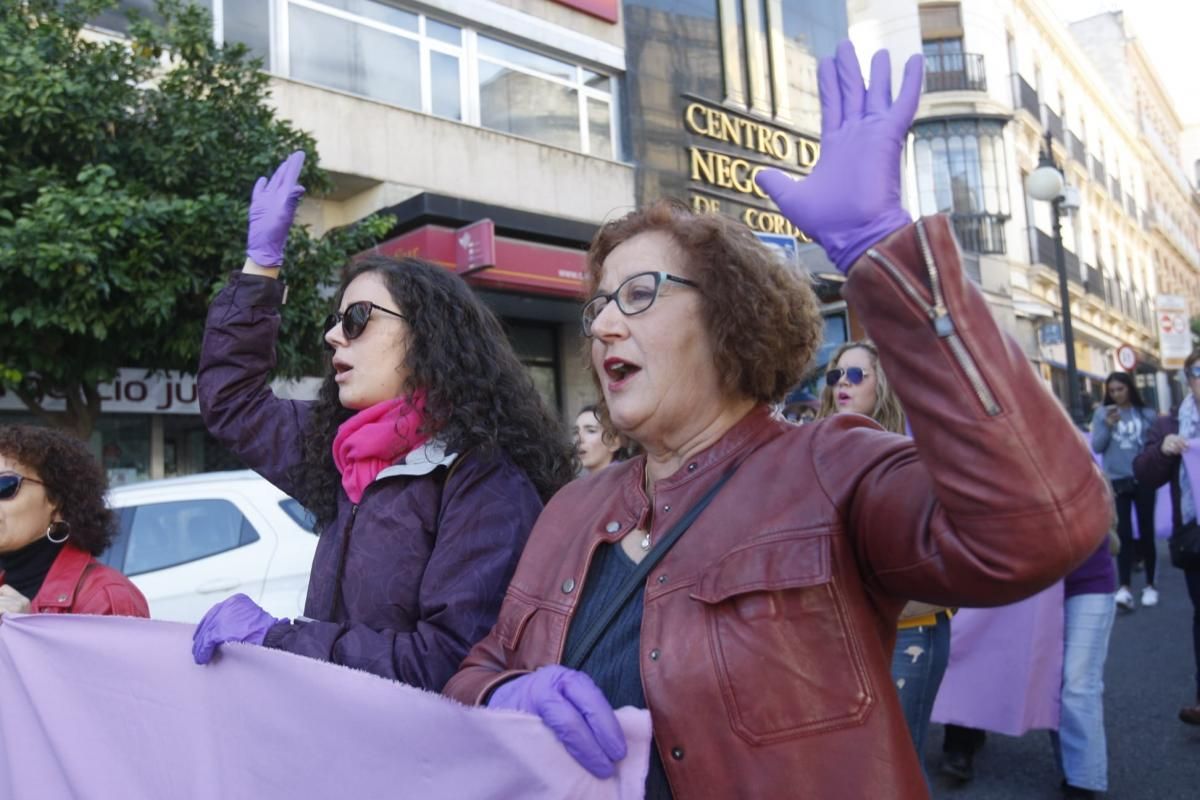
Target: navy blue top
613,662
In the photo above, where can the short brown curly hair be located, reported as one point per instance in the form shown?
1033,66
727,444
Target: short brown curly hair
72,477
764,318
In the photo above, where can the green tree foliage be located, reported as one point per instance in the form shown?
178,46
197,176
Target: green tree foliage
125,176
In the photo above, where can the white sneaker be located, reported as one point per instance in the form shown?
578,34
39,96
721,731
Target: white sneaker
1149,596
1124,599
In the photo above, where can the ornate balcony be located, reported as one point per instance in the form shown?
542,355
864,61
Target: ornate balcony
980,233
955,72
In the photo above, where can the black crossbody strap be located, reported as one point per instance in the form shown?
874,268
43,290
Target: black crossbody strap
636,579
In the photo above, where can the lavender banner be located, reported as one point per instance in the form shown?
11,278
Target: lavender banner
103,707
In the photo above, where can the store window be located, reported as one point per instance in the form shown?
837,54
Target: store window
124,443
537,348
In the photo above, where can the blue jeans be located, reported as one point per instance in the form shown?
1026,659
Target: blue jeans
918,664
1192,576
1079,743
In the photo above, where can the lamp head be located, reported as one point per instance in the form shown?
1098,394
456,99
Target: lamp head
1045,183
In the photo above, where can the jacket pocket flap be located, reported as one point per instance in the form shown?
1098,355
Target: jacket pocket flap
514,616
766,566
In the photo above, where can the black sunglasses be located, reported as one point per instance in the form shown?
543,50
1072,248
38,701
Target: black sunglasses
853,374
10,484
1193,371
355,318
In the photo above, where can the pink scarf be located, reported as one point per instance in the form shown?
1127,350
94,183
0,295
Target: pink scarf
375,438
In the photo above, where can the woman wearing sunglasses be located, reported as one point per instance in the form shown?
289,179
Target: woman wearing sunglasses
855,383
53,524
742,578
424,458
1161,461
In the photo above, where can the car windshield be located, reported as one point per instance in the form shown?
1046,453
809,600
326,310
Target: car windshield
302,516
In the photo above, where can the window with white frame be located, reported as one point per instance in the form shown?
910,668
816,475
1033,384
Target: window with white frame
405,58
411,60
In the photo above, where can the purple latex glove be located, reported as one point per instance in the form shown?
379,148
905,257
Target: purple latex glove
234,619
574,708
851,200
272,208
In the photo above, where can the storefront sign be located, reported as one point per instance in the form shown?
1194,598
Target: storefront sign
134,391
1174,330
475,246
602,9
787,247
733,149
519,265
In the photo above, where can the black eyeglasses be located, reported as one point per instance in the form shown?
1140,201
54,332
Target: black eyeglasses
853,374
355,318
635,294
10,484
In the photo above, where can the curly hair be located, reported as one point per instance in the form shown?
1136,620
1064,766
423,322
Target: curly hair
478,395
763,318
887,411
74,481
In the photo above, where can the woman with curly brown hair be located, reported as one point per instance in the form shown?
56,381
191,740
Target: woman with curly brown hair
53,523
742,578
425,457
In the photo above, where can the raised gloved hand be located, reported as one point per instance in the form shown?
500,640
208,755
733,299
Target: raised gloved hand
851,200
272,208
234,619
572,706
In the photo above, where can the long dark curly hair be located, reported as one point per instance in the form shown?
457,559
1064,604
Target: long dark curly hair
478,395
72,477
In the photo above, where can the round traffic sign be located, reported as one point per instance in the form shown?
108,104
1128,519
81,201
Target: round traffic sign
1126,358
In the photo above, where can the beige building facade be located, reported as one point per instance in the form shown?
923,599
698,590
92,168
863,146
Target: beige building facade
999,76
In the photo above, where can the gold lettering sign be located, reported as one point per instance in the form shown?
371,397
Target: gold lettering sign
793,150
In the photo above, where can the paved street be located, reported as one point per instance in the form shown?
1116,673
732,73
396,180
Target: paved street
1152,755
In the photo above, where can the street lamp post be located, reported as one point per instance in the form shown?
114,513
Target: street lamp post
1047,183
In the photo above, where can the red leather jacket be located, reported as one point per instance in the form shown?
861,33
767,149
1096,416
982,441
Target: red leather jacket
767,631
79,584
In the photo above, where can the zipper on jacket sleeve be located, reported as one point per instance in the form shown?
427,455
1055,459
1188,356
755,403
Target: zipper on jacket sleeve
939,316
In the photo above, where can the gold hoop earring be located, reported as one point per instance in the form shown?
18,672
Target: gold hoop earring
61,529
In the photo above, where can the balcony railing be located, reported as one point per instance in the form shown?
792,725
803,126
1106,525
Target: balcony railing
1098,172
1093,282
1053,123
1028,98
980,233
951,72
1077,148
1046,252
1115,189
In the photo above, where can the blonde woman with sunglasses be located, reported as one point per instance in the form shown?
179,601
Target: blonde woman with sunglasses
856,384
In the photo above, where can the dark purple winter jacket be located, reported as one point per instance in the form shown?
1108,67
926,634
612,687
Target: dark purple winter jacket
429,550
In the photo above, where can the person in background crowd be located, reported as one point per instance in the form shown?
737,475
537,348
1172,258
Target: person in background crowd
1119,428
1080,744
742,579
857,384
53,524
595,447
1160,462
424,458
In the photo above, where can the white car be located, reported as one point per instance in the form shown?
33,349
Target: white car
190,542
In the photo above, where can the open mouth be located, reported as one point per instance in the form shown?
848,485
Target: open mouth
843,398
340,369
618,369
